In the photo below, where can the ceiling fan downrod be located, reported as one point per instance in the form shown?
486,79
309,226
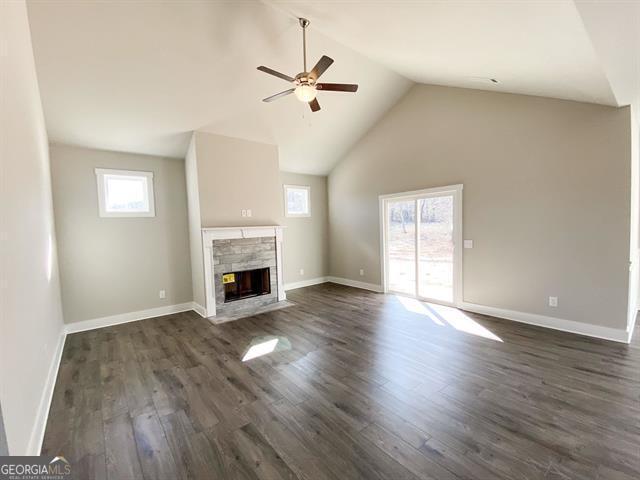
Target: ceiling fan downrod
304,23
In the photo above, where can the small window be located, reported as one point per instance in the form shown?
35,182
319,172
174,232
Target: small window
125,193
296,201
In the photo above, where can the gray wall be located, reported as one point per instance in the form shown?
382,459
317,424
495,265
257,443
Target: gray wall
233,175
112,266
546,196
31,324
306,239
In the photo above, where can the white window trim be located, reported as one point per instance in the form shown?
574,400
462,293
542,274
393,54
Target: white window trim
297,215
101,172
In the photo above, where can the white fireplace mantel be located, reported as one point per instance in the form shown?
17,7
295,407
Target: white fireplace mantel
228,233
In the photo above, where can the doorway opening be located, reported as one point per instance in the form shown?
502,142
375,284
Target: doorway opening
421,235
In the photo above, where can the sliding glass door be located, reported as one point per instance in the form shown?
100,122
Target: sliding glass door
435,248
402,246
421,240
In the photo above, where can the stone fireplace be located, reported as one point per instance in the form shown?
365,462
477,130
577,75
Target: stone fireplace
243,270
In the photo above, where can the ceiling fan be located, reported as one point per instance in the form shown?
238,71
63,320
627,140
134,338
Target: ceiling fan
306,83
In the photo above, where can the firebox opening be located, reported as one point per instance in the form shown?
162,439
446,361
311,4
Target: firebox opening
249,283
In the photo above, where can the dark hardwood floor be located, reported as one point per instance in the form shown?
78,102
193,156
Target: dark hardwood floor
360,385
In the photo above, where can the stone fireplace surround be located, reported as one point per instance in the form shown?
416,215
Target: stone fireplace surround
230,249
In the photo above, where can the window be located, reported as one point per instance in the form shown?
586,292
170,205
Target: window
296,201
125,193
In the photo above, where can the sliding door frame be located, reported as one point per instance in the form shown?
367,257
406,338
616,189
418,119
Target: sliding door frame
456,192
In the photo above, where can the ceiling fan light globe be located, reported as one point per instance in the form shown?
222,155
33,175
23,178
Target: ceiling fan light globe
305,93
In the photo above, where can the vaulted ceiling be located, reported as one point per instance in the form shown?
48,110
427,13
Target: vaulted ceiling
530,47
141,76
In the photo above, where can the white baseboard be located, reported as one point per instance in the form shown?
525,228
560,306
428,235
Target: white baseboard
305,283
199,309
354,283
127,317
339,280
37,434
590,330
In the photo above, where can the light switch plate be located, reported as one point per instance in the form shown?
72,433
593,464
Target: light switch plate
248,212
162,294
243,213
468,244
553,301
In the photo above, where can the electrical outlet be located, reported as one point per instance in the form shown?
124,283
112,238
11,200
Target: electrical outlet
302,271
361,272
553,301
248,212
162,294
243,213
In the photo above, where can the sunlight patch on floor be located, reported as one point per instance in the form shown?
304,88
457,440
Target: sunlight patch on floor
265,345
260,349
416,306
447,316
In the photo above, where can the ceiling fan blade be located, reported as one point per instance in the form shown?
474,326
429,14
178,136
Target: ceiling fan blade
324,63
315,106
278,95
337,87
270,71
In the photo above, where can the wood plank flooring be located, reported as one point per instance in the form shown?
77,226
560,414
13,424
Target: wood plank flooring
360,386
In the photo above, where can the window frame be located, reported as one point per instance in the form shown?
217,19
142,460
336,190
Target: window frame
286,206
102,173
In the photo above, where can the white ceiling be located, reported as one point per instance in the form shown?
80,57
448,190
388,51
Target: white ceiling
141,76
614,30
533,47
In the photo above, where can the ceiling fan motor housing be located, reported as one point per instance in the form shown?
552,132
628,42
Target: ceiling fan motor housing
305,78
